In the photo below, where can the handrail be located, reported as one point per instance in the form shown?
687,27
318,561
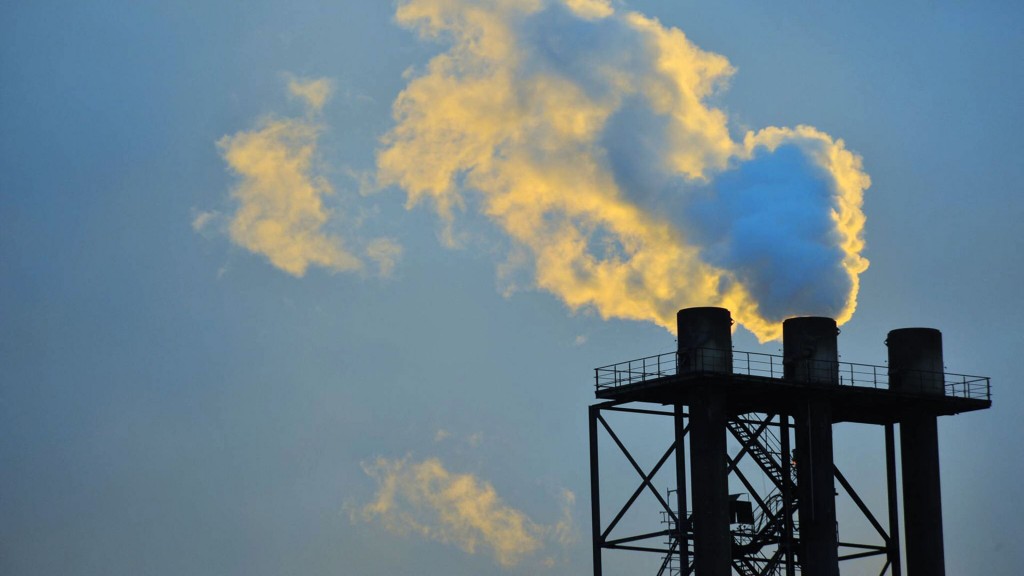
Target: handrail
636,371
708,360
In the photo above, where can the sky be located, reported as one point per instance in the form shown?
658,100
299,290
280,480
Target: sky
317,288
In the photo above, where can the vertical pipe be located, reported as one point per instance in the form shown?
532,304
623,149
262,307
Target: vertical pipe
811,357
787,495
705,349
915,366
682,524
894,515
595,492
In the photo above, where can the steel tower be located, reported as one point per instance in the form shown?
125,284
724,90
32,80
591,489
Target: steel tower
780,411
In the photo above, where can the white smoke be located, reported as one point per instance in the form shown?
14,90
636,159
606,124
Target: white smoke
585,133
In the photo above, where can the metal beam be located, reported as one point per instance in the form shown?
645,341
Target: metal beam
639,411
787,495
682,523
595,491
894,511
619,541
862,555
860,504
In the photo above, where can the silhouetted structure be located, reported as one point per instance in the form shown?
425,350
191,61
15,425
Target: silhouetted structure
769,403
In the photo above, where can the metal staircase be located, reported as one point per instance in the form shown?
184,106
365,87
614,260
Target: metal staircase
766,449
752,552
764,446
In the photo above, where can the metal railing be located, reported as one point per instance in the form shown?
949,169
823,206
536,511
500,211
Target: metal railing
636,371
707,360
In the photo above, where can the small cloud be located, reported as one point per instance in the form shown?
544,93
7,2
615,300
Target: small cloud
385,252
282,195
426,499
590,9
314,91
475,439
281,212
202,219
580,340
442,435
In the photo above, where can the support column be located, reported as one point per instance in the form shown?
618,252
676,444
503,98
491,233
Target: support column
922,496
595,492
819,546
712,543
895,562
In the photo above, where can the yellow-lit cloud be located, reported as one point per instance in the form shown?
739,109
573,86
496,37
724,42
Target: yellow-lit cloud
583,147
426,499
281,212
591,9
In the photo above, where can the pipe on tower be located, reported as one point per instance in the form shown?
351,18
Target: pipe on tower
810,350
915,365
811,357
705,340
705,348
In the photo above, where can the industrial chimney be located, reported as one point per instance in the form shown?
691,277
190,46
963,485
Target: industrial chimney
915,366
811,357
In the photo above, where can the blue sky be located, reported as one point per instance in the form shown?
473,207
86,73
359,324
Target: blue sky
173,400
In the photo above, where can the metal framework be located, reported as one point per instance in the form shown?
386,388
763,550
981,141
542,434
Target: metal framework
762,409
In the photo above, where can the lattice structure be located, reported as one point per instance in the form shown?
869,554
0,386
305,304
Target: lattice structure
779,411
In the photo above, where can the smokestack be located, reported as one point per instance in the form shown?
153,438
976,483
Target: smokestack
811,356
810,350
705,340
705,347
915,365
915,360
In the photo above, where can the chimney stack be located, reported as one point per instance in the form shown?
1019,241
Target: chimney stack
915,365
811,356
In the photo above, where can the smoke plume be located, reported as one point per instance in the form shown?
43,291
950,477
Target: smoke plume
585,133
